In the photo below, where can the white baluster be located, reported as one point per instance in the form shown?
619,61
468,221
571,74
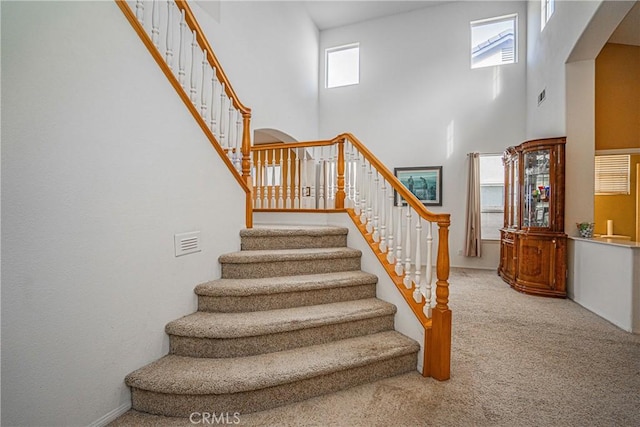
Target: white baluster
237,155
314,194
239,138
329,178
214,83
363,188
374,201
429,273
408,282
169,39
232,149
181,50
272,203
140,11
155,24
223,97
417,292
334,177
370,193
348,179
289,180
391,259
194,46
383,222
399,269
281,189
203,93
303,180
322,180
357,185
265,181
258,180
296,178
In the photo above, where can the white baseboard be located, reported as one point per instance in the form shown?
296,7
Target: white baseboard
111,415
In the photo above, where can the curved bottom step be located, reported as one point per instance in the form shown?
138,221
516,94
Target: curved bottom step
259,400
178,386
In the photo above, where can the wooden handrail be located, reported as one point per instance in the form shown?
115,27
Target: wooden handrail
291,145
244,180
211,56
395,182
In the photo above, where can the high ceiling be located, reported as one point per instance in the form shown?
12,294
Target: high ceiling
330,14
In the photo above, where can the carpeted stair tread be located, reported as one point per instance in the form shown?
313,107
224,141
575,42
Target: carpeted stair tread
234,325
284,284
280,255
297,230
198,376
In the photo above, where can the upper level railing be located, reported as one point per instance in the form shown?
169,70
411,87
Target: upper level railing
174,38
342,174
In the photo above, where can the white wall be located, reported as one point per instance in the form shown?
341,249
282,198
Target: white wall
419,103
547,53
269,50
101,165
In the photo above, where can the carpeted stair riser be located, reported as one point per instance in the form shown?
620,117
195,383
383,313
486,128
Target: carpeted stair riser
248,295
293,238
239,304
292,242
289,267
247,346
183,405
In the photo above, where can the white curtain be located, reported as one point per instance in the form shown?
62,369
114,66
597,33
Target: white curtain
472,246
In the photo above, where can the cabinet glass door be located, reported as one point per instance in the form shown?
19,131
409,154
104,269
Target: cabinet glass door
536,187
515,196
508,184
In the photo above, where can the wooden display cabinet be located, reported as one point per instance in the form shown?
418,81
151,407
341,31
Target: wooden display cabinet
533,245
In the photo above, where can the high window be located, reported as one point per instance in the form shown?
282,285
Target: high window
491,196
342,65
547,9
494,41
612,174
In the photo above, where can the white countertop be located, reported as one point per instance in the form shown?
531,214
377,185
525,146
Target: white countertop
613,242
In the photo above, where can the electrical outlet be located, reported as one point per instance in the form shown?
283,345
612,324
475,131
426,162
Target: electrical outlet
460,252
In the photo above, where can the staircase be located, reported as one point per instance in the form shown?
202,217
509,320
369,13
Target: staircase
292,317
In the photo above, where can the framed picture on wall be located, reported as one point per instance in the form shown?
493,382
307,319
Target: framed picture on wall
424,182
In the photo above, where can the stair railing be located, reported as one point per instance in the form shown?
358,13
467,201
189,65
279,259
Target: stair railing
338,174
342,174
174,38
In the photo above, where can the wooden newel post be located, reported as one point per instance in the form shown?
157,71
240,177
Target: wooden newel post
441,317
340,194
246,148
246,164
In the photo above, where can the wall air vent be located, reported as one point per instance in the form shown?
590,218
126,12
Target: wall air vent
187,243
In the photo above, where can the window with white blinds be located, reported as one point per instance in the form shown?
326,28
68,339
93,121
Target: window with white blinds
612,174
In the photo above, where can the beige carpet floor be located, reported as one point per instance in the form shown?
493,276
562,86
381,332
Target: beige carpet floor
517,360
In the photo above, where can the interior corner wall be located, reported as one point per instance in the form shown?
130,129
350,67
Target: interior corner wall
580,149
419,103
101,165
269,50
